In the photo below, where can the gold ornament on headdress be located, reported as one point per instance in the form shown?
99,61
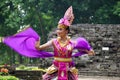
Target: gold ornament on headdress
62,26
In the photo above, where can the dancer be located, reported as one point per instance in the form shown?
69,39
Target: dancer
63,67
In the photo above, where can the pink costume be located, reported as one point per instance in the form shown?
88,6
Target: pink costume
62,64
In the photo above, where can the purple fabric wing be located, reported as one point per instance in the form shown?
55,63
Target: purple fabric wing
82,44
24,42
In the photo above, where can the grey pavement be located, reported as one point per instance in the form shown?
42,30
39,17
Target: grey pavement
98,78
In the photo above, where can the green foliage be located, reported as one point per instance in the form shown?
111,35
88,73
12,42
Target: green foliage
8,78
105,14
2,73
43,15
21,67
117,9
33,68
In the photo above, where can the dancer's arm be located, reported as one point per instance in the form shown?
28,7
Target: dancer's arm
43,46
89,52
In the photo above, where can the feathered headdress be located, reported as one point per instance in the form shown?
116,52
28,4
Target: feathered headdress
68,17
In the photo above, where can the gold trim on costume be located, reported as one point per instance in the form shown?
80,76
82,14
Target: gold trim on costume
51,69
74,70
63,59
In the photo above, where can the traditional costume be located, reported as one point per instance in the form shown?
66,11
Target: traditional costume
63,67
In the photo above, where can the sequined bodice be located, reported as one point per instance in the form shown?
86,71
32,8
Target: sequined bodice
62,51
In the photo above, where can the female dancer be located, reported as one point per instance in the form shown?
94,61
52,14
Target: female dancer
27,43
63,67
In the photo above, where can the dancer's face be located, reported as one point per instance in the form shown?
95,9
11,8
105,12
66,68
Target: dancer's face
61,31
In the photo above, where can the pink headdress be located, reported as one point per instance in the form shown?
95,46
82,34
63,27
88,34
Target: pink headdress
68,17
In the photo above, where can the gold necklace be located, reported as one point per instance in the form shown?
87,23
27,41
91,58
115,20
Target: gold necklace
63,43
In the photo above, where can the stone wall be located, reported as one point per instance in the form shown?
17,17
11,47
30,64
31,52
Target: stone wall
105,40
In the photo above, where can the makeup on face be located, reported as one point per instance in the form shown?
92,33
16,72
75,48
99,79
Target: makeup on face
61,31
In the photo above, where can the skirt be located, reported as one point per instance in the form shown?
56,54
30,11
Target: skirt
53,76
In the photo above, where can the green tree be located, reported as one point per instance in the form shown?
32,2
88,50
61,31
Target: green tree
43,15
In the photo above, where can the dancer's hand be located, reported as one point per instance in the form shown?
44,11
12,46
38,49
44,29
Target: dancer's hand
37,44
91,52
1,39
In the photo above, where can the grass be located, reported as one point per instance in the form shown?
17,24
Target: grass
30,68
8,78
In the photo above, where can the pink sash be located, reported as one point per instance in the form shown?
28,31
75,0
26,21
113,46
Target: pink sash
63,71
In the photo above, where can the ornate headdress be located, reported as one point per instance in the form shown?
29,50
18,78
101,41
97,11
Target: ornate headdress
68,17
